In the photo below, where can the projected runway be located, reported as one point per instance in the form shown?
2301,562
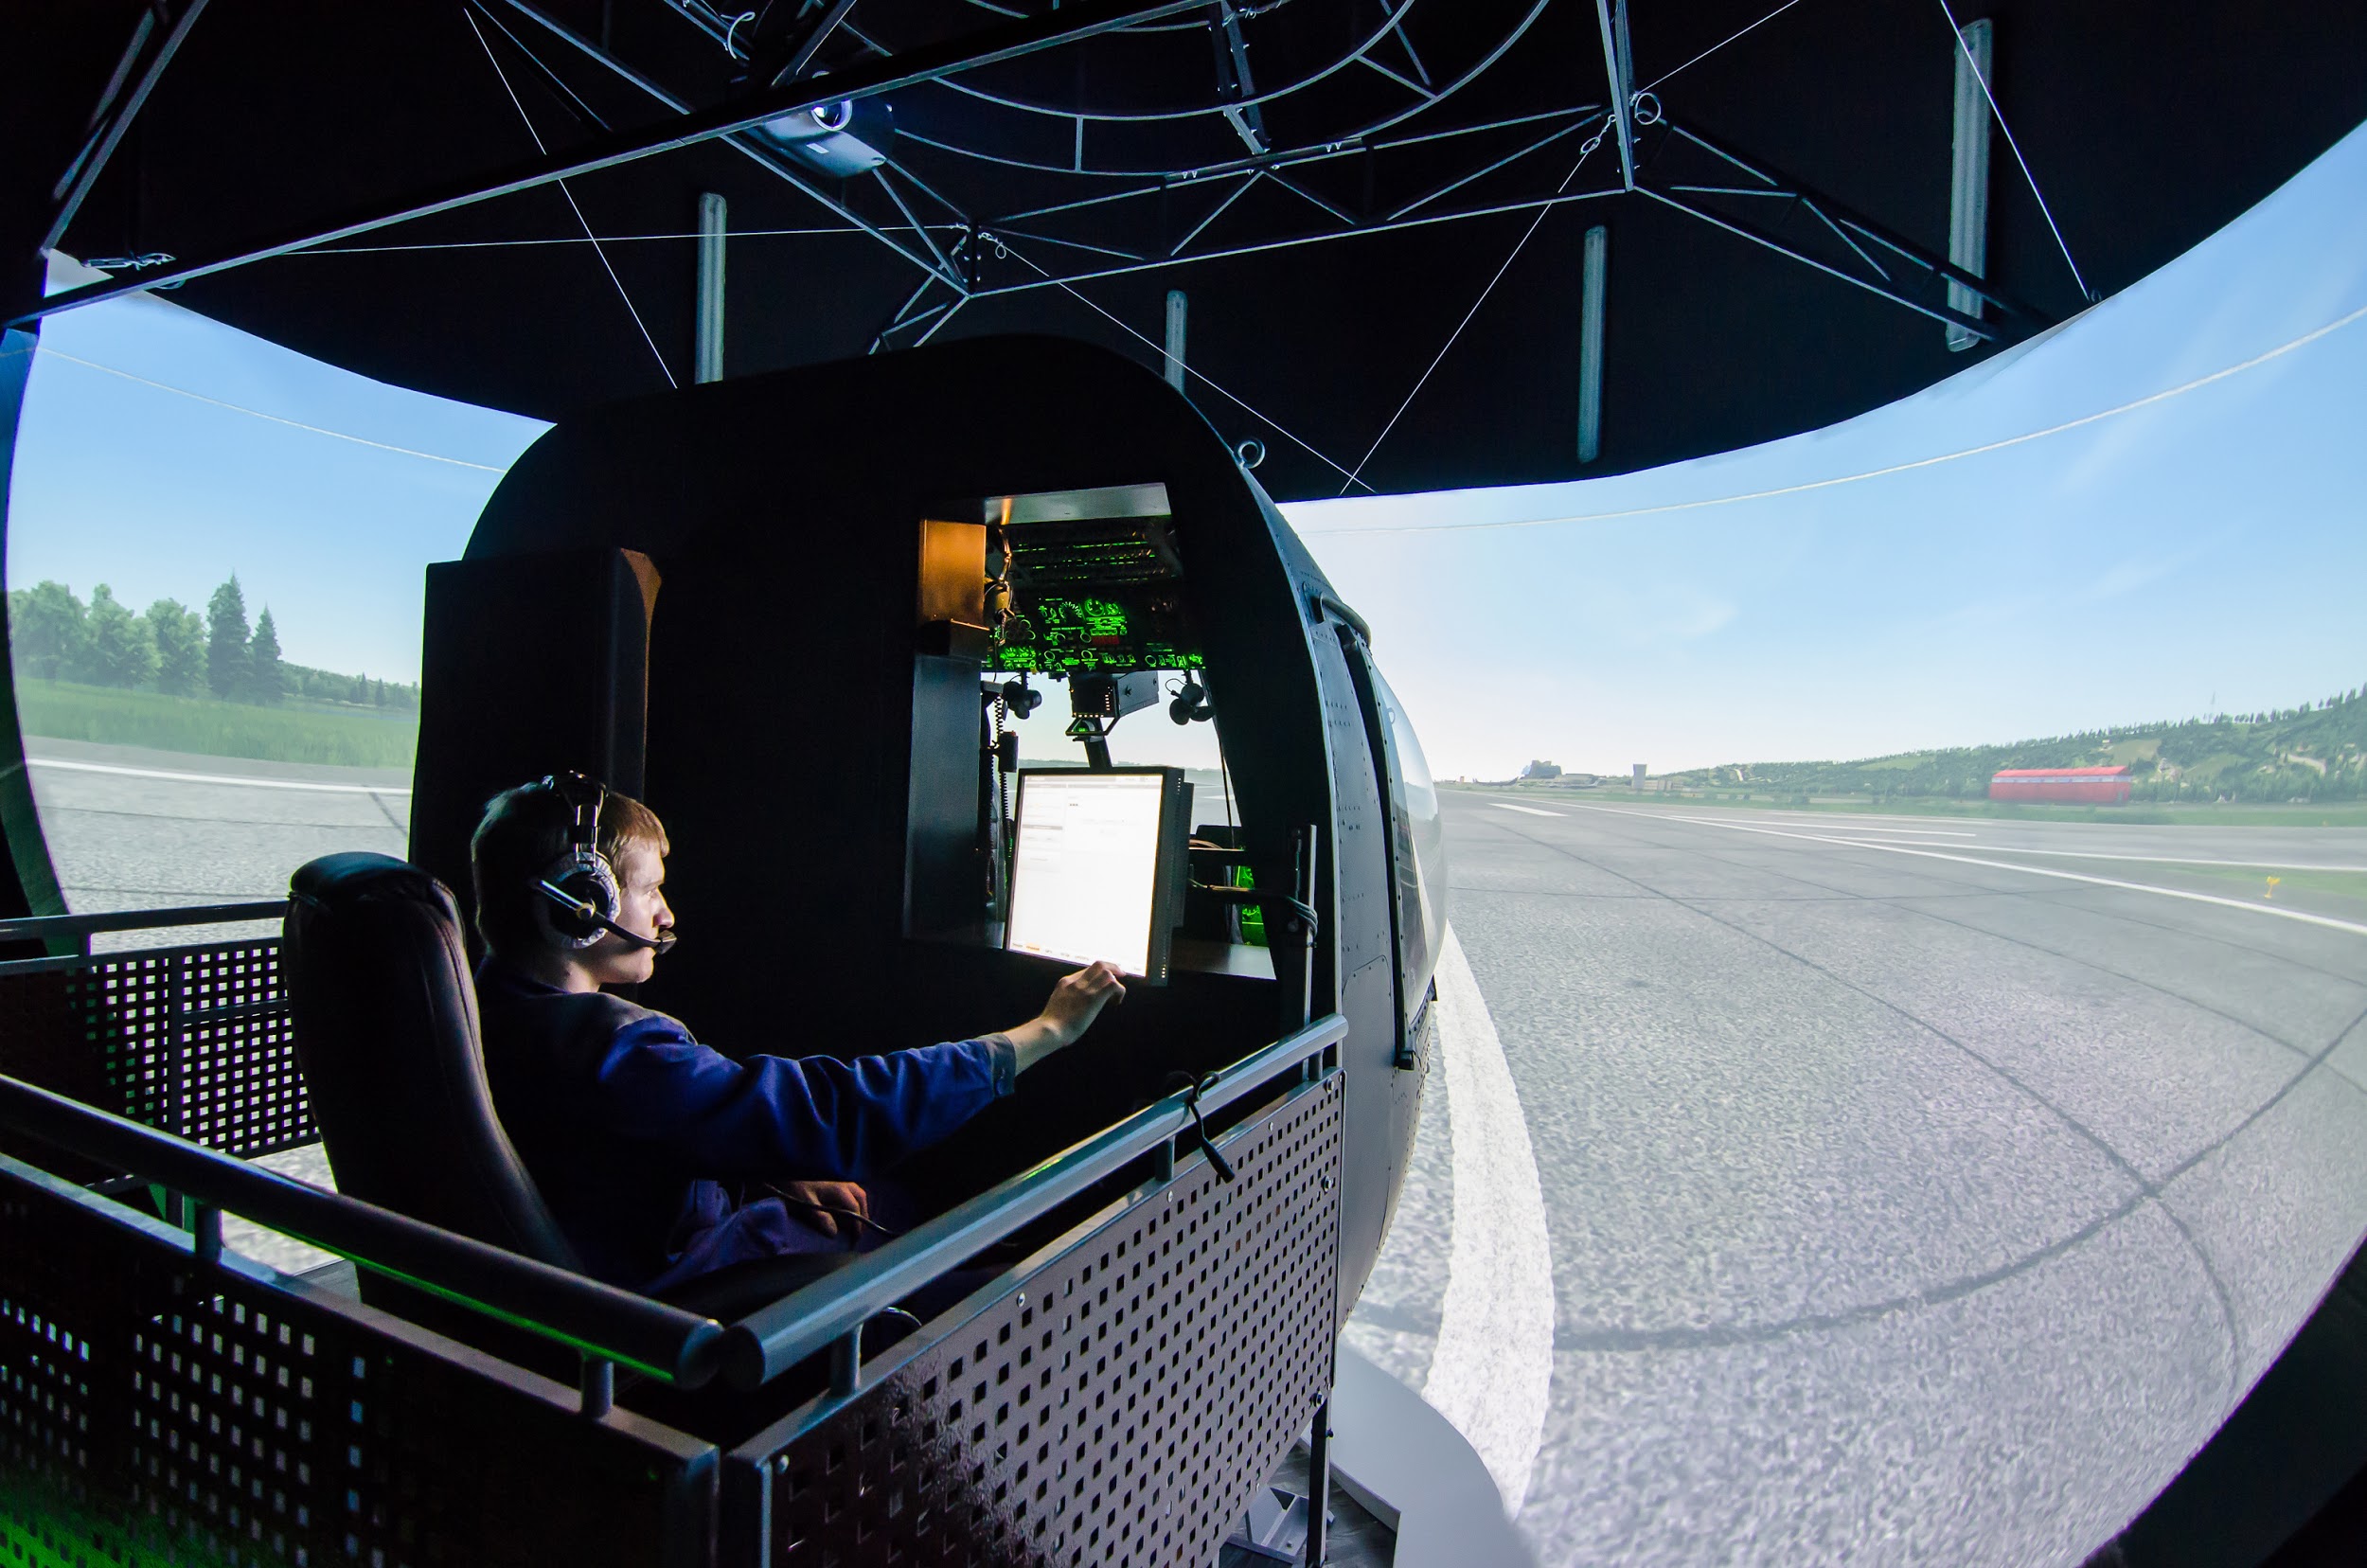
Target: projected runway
1914,1189
1904,1205
131,829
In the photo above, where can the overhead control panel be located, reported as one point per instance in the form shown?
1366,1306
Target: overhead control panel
1087,581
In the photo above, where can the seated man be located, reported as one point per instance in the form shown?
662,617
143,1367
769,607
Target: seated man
661,1159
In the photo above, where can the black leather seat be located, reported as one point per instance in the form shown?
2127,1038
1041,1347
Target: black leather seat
385,1021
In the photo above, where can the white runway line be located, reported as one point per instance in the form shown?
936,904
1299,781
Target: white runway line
322,788
2167,860
1493,1366
1508,806
2249,907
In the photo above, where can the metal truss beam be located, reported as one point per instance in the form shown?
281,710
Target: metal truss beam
927,63
1760,236
763,157
115,114
749,147
1850,228
1054,280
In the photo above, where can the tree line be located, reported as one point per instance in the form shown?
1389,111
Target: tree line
176,650
2314,751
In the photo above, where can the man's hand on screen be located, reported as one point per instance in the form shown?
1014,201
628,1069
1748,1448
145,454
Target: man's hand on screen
1078,999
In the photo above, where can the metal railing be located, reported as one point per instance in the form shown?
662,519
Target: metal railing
830,1312
603,1322
600,1322
80,928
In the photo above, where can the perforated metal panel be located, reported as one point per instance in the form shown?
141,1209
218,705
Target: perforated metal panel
194,1041
153,1410
1119,1408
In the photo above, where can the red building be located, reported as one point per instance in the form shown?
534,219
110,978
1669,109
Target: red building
2088,786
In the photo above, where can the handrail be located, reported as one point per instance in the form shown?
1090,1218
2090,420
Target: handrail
773,1338
33,927
601,1321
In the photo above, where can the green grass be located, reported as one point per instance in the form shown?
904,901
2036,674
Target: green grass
2349,813
110,715
2255,879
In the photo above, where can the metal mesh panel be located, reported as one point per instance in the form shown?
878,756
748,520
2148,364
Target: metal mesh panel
194,1040
153,1410
1121,1407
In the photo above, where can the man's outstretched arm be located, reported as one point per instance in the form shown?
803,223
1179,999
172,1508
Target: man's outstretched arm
820,1118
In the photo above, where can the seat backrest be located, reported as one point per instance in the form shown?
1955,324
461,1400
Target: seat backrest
385,1019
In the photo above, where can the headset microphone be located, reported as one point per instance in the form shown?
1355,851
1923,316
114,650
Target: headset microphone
582,895
590,914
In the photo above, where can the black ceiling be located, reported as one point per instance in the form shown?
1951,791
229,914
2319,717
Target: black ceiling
2148,125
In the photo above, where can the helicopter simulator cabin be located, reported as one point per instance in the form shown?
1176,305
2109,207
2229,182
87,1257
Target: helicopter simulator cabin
793,613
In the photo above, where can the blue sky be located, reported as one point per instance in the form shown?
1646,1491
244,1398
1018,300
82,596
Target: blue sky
162,496
2204,550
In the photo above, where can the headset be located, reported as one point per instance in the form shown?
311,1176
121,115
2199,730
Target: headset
581,883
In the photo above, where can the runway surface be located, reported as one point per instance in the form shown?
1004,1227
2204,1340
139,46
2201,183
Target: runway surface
1914,1190
1908,1201
133,828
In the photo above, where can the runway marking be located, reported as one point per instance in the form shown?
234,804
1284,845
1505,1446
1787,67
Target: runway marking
217,779
1508,806
1493,1367
2281,912
1842,827
2166,859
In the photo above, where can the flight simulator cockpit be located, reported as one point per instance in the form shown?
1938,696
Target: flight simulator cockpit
806,617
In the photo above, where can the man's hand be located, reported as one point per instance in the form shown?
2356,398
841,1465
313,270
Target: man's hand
1077,1000
834,1208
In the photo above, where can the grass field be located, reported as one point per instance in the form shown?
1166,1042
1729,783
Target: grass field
2343,815
111,715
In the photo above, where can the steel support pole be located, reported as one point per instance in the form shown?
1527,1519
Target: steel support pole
1318,1481
1968,178
714,224
1614,71
1178,309
595,1387
1590,312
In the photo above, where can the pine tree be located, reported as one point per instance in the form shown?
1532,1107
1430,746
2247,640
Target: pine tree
122,653
227,660
179,633
263,682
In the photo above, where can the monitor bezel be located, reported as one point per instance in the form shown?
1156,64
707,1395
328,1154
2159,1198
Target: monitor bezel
1167,876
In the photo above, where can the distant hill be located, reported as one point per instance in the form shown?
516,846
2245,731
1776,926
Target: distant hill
2313,753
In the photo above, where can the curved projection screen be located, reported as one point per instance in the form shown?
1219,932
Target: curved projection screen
1824,1163
1835,1165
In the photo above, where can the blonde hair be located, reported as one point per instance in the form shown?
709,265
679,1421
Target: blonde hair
523,830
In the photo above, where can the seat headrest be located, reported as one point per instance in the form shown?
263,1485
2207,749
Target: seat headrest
335,881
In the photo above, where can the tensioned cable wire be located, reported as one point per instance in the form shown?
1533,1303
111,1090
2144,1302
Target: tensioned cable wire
1354,478
47,353
1188,369
598,240
2028,436
606,265
1719,44
1982,77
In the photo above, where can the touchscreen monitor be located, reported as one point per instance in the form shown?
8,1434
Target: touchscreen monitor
1095,862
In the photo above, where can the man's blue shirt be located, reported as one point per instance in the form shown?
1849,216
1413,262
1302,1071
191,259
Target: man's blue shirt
641,1139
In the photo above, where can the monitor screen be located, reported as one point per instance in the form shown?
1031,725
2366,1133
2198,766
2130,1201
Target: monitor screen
1089,868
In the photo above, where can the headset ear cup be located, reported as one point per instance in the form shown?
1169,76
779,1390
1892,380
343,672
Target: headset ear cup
589,879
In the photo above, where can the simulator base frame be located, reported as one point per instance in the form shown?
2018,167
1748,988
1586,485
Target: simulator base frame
1117,1396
